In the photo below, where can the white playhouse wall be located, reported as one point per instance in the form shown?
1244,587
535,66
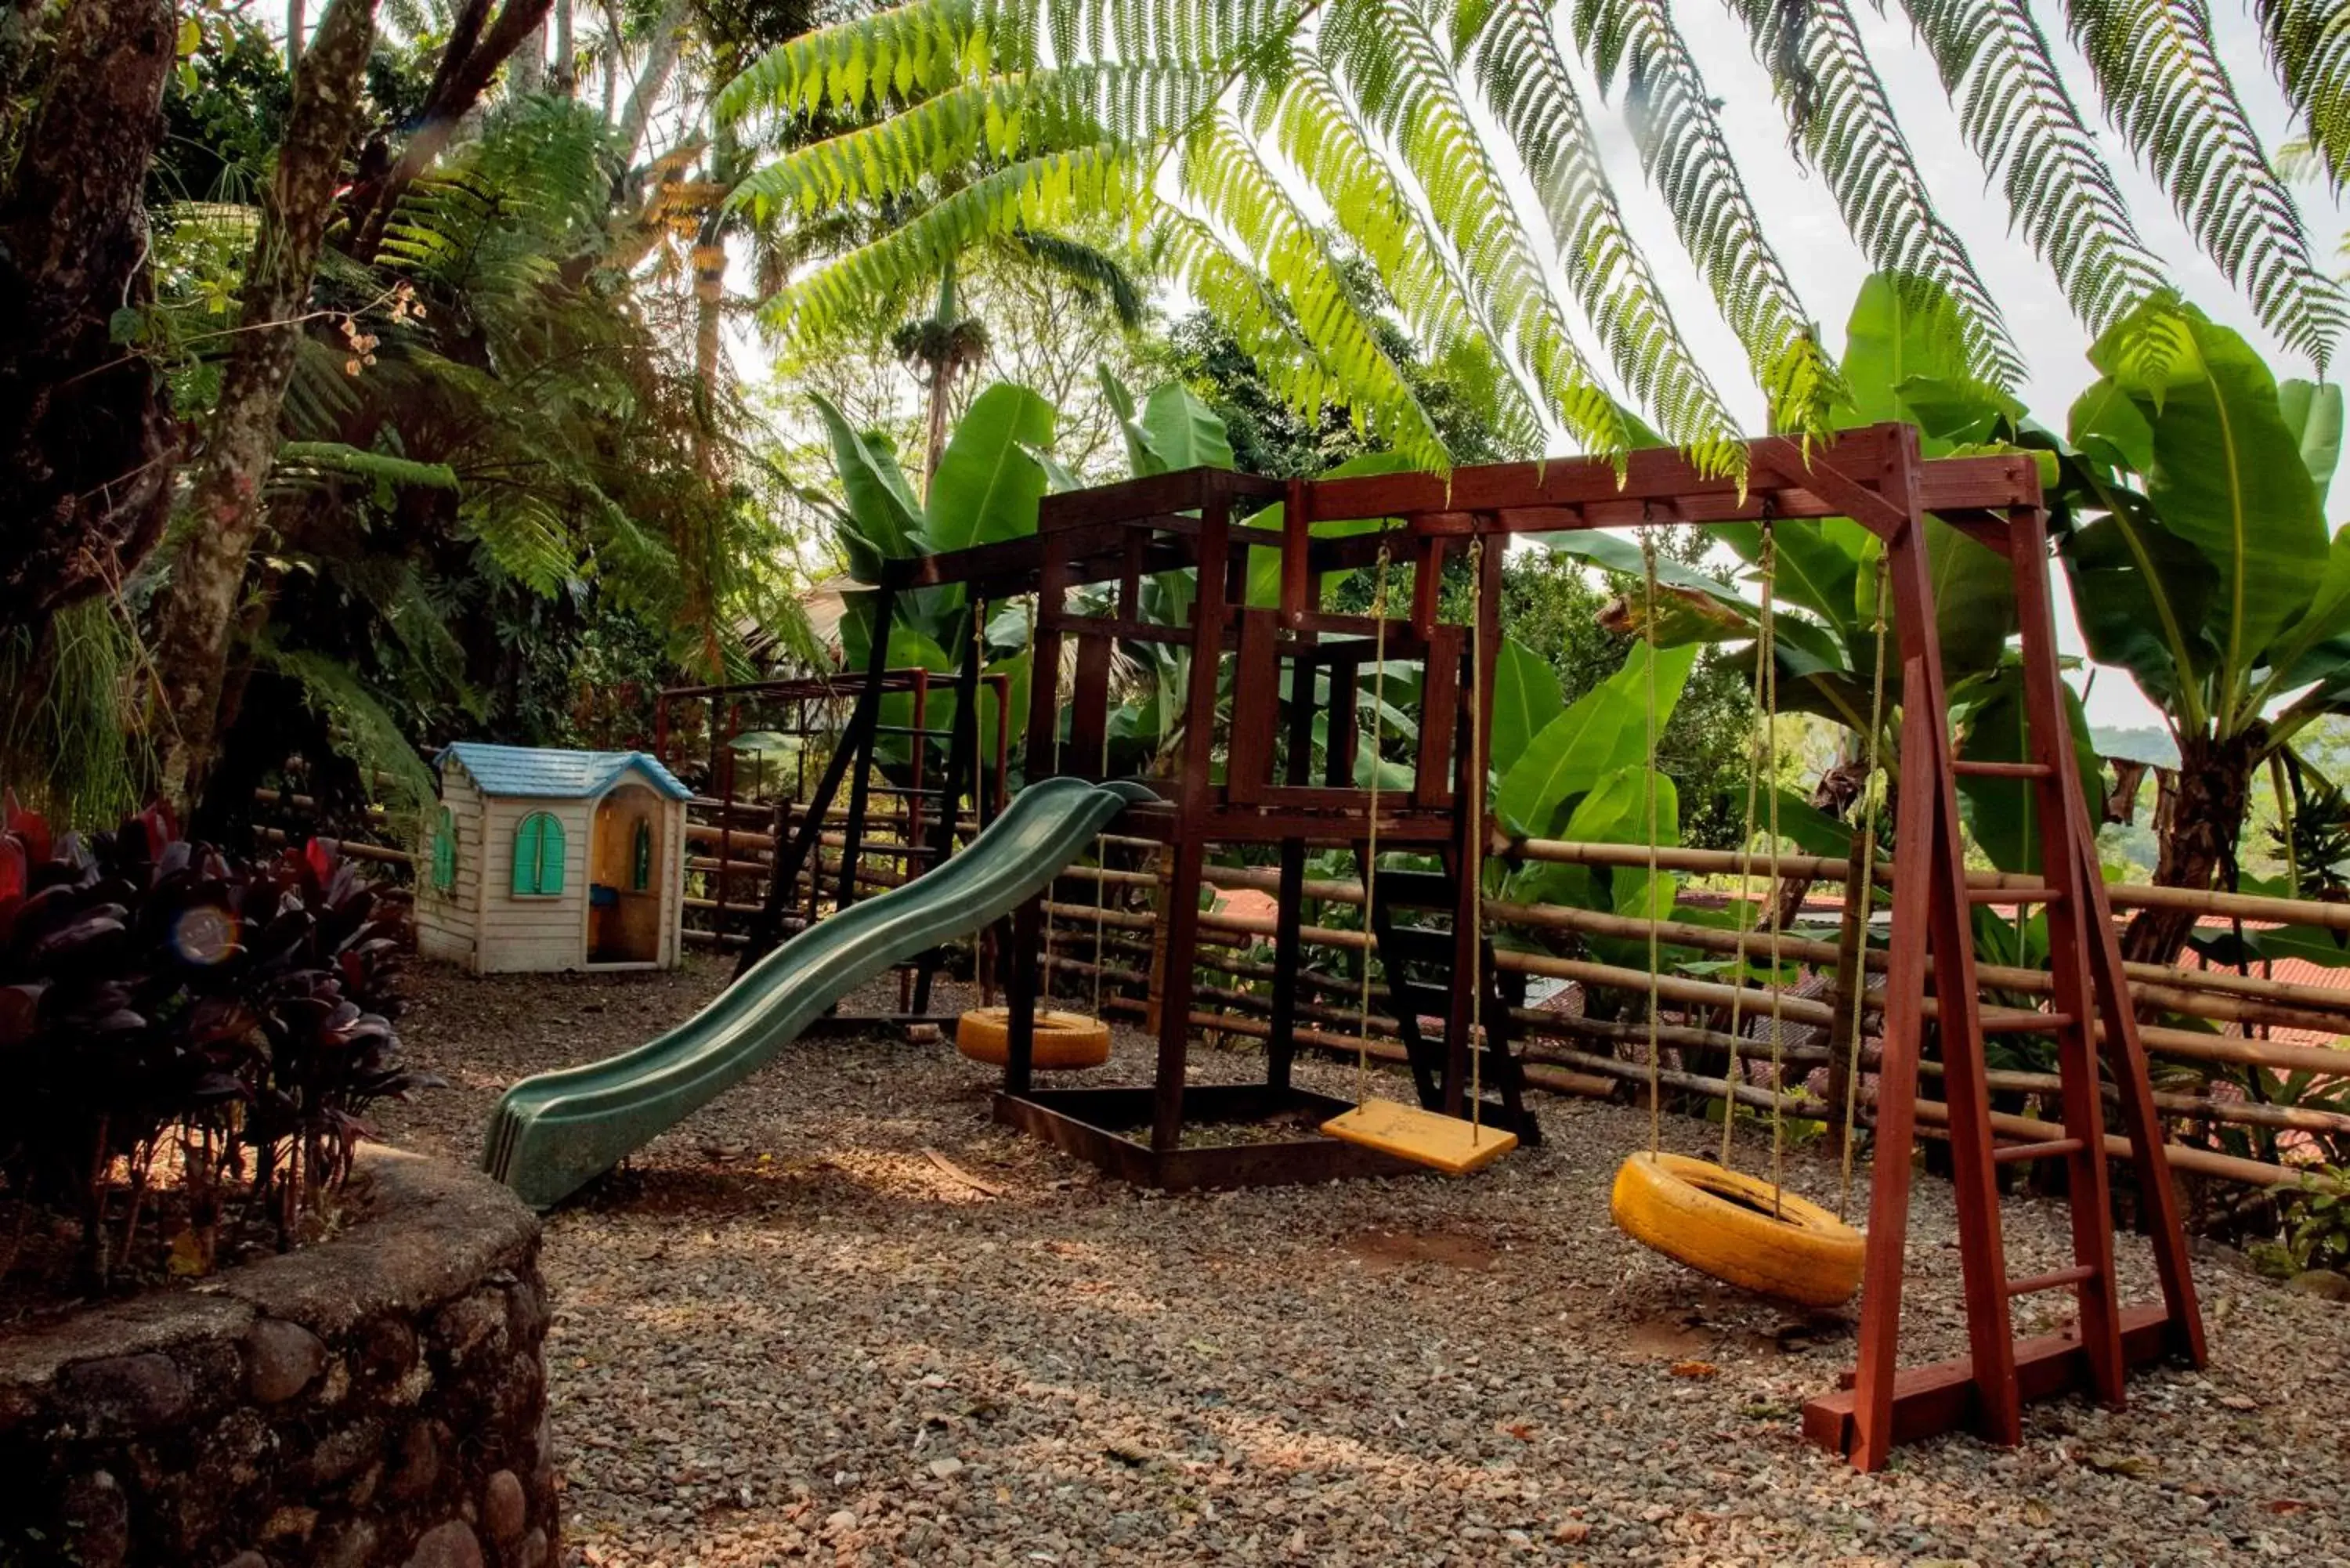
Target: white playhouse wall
532,935
446,922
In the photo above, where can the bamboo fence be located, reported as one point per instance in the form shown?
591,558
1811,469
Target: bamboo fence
2192,1018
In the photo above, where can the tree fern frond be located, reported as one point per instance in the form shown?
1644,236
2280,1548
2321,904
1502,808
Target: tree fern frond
1517,61
977,124
2309,46
523,534
1839,112
856,67
1095,271
1040,193
2021,122
303,464
1315,129
1405,84
2167,92
1687,156
1223,171
1255,36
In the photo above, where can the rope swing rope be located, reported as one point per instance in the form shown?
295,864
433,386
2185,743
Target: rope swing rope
1872,795
1764,759
1738,1229
1455,1144
1371,853
1655,963
1474,866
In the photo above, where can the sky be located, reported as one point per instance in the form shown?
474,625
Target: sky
1800,215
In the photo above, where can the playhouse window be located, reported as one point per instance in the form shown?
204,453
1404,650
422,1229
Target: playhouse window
538,856
444,851
641,864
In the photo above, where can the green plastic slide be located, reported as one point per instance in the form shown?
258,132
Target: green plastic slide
553,1134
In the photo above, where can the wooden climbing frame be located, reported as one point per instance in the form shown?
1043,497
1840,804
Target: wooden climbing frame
1270,649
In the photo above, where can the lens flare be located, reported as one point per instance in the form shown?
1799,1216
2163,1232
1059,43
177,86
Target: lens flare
204,935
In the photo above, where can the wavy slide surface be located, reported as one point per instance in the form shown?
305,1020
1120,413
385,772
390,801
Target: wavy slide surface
553,1134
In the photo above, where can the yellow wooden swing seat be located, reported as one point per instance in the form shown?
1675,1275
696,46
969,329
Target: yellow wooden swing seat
1426,1137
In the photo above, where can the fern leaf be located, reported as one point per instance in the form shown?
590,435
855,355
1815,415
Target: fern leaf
860,66
2309,47
1310,124
1403,82
978,125
1042,192
2167,92
1838,110
2022,123
303,463
1687,157
1524,77
1223,172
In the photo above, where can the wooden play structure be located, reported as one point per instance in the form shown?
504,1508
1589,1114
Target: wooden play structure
1258,636
543,859
777,845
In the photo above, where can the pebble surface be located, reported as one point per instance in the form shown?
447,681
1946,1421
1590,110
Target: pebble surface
786,1332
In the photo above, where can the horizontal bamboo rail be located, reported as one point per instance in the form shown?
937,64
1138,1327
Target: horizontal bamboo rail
1827,867
351,848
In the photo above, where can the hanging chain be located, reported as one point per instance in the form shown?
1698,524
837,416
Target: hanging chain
1371,854
1871,795
1765,656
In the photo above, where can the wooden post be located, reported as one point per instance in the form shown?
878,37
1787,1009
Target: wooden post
1022,981
1194,796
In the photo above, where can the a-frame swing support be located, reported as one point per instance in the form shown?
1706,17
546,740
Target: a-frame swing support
1874,476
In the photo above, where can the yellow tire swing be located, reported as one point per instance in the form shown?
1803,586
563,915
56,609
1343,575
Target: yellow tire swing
1738,1229
1064,1042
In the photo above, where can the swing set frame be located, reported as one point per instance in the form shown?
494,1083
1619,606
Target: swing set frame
1261,792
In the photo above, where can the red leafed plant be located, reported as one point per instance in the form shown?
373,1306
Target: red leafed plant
170,1014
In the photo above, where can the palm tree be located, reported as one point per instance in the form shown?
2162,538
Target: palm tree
1222,129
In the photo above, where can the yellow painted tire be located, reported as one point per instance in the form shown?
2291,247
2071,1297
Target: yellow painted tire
1721,1223
1065,1041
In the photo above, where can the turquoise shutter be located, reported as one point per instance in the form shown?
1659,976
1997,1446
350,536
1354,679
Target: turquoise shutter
550,854
527,834
444,851
539,855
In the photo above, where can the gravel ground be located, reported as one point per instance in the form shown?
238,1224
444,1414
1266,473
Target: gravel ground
785,1334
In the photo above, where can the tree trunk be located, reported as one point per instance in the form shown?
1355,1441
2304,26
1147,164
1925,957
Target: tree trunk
2207,816
526,72
566,73
86,441
943,378
192,643
477,47
652,80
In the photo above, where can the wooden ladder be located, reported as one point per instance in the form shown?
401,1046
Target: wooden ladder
2090,1020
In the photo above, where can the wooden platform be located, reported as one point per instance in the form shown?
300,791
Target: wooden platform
1940,1396
1088,1123
1432,1139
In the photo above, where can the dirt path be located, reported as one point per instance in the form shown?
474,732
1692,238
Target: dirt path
787,1333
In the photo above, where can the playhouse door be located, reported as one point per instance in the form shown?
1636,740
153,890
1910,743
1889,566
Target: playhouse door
624,893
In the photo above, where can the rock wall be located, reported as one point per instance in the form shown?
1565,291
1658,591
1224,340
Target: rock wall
376,1399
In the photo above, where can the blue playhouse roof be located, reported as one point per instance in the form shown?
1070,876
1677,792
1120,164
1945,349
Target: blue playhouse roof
545,773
